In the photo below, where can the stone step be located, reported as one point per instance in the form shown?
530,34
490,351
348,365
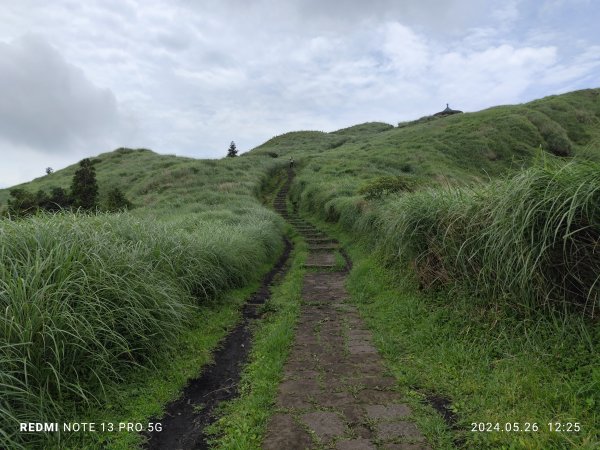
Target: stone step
325,240
320,259
323,247
313,236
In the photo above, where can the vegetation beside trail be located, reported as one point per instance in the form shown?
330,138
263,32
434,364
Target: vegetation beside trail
141,397
87,297
530,239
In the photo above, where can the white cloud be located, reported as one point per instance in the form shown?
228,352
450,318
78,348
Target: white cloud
192,76
581,66
48,104
496,75
409,53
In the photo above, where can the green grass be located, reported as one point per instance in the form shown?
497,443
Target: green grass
143,394
242,422
530,240
491,363
516,238
84,298
87,298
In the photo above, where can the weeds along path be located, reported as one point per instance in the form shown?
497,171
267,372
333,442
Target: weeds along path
186,418
334,393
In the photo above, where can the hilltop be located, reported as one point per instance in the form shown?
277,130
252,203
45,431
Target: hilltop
157,182
457,148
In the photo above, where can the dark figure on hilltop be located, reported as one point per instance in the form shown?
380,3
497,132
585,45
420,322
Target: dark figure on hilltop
291,162
448,111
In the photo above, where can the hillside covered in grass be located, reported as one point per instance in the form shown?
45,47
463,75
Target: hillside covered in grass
490,220
86,297
428,191
461,147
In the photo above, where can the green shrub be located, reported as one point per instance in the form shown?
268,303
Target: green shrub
21,203
116,200
59,199
531,239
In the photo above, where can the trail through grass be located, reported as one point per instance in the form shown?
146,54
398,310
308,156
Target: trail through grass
493,366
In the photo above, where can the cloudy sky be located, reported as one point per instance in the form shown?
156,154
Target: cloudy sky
82,77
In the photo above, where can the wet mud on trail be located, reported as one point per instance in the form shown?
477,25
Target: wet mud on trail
186,418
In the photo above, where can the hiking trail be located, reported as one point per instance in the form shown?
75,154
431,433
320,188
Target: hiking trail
335,392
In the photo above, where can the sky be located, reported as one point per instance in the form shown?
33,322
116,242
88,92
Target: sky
187,77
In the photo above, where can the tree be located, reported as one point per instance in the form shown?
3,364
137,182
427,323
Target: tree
42,200
49,170
84,187
232,150
21,202
59,199
117,201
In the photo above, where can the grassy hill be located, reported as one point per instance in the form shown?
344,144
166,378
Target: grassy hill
87,298
475,238
157,182
461,147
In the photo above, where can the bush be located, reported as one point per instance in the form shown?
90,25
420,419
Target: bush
116,200
532,238
59,199
21,203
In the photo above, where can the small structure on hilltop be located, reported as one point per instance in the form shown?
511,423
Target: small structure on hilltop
448,111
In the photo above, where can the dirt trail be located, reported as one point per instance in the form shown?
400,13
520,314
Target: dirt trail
335,393
186,418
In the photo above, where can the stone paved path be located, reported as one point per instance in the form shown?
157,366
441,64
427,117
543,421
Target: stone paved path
335,393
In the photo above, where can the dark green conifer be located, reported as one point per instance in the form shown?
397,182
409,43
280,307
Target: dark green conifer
84,187
232,151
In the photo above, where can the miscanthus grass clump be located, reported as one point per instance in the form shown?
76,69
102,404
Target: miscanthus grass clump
84,297
533,238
